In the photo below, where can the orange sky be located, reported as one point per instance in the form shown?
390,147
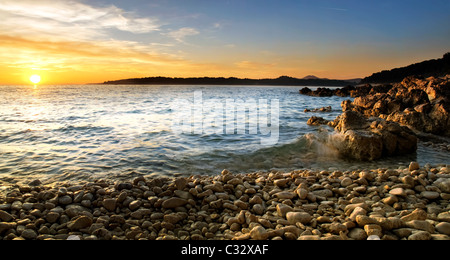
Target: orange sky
79,42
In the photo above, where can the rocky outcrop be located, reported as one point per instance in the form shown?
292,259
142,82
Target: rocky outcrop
371,139
421,104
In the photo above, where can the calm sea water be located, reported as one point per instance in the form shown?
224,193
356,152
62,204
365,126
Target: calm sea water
71,133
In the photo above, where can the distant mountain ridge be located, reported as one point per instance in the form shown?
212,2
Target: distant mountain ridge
281,81
436,68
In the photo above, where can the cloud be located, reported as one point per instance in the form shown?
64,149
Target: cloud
60,18
181,34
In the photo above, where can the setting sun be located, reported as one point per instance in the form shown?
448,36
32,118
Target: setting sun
35,79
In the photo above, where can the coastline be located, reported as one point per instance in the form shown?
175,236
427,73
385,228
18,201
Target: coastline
409,203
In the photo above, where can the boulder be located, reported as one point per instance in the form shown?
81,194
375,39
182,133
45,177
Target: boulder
371,139
421,104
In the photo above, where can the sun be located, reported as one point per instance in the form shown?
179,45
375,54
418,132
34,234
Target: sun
35,79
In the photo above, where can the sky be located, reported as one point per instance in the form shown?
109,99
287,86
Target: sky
92,41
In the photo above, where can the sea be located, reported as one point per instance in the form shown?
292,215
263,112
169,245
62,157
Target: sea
72,133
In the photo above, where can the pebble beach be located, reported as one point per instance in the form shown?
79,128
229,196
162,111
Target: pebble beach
410,203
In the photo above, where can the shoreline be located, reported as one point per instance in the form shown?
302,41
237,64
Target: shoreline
411,203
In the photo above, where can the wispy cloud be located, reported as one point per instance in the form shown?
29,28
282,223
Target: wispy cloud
181,34
60,18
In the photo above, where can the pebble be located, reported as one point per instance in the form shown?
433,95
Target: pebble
327,205
414,166
298,217
444,228
398,192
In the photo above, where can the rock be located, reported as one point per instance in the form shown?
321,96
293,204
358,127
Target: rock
373,230
174,203
181,183
417,214
431,195
5,216
5,226
285,195
65,200
134,205
317,121
374,237
36,182
298,217
302,193
443,228
80,223
110,204
52,217
421,235
281,183
283,209
259,233
414,166
29,234
422,104
421,225
124,186
443,184
346,182
358,211
398,192
326,193
357,234
370,139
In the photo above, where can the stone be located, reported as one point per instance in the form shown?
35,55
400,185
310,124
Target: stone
414,166
443,184
346,182
65,200
302,193
357,234
80,223
357,212
285,195
174,203
309,237
421,235
417,214
373,229
398,192
134,205
4,226
52,217
110,204
431,195
283,209
373,237
180,183
29,234
298,217
421,225
5,216
281,183
259,233
443,228
258,209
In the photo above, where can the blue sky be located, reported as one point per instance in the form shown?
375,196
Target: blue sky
243,38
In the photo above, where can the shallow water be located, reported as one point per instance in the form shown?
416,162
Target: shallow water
71,133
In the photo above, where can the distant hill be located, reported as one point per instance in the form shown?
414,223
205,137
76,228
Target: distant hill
281,81
436,68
